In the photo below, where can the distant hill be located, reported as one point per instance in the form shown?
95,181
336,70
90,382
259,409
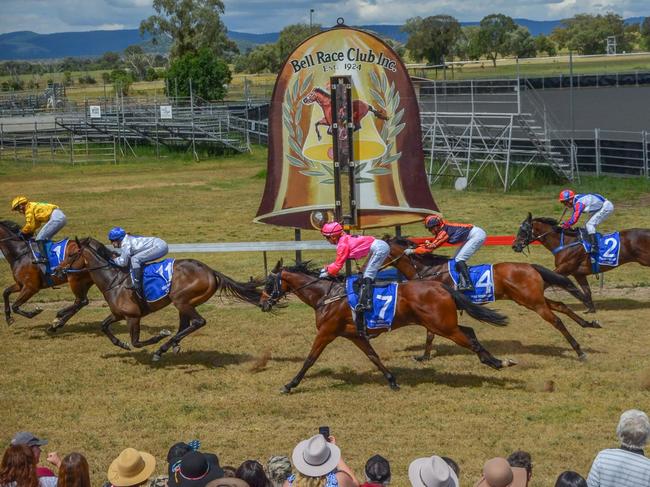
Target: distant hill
30,45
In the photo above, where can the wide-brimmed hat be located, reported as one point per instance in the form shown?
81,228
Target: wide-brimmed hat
197,469
377,469
228,482
26,438
431,472
497,472
278,468
131,467
315,457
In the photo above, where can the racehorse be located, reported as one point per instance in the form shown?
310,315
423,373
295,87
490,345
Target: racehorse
193,283
519,282
359,110
426,303
572,259
29,279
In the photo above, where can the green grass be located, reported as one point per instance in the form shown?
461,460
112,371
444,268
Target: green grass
82,393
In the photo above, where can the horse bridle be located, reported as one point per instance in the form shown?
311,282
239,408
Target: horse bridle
107,265
530,237
277,294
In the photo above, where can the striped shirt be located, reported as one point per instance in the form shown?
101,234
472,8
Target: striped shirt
619,468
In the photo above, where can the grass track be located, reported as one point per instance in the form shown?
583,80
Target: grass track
82,393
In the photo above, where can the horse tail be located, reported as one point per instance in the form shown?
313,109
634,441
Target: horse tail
554,279
378,112
476,311
244,291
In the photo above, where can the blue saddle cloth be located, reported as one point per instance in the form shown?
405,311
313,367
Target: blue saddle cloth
482,277
609,247
384,299
158,279
55,254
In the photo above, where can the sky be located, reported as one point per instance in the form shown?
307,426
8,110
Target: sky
260,16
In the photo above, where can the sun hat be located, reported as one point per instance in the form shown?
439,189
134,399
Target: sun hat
26,438
315,457
197,469
431,472
131,467
497,472
377,469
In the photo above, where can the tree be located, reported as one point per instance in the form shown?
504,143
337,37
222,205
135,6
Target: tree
137,61
467,46
292,36
109,60
587,34
209,74
191,25
493,35
521,43
645,32
121,81
545,44
432,38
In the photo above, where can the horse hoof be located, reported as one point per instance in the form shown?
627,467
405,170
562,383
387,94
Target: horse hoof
509,362
285,390
582,356
51,329
176,349
124,345
10,321
36,312
394,386
155,357
590,310
166,333
596,324
422,358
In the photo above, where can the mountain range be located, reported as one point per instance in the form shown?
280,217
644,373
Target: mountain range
28,45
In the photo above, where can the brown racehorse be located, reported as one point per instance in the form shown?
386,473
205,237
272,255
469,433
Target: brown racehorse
359,110
29,279
426,303
193,283
573,259
519,282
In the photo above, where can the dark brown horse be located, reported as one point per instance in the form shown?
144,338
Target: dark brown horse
572,259
29,279
426,303
193,283
359,110
519,282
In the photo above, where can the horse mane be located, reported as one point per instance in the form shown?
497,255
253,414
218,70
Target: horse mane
99,248
305,267
547,220
427,259
12,226
555,224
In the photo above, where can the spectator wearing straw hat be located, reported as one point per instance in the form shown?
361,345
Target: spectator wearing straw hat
432,472
131,468
319,463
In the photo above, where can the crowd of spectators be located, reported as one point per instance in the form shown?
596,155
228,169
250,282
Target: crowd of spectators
318,462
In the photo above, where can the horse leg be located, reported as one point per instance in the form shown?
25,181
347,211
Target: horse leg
428,346
106,329
320,342
134,329
365,347
190,321
560,307
545,312
25,294
80,290
584,285
466,337
14,288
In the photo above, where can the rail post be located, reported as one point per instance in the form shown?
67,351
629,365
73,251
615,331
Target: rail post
644,142
597,149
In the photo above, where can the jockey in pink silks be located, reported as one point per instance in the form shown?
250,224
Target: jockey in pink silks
356,247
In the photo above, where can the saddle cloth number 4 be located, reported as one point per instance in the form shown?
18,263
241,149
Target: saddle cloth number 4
485,281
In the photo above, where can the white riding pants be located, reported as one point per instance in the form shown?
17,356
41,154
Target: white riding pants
599,217
156,251
379,250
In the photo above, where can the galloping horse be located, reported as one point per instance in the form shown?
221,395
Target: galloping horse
193,283
29,279
359,110
522,283
572,259
426,303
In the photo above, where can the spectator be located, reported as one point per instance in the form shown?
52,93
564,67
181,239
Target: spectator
252,472
454,466
74,471
18,469
570,479
377,472
197,469
227,482
521,459
319,463
432,472
278,469
498,473
131,468
229,471
174,455
26,438
625,466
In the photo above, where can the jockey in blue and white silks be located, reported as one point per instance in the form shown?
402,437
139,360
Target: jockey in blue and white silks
136,251
595,204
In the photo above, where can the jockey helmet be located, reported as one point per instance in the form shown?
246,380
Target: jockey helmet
17,201
433,221
331,229
116,233
566,195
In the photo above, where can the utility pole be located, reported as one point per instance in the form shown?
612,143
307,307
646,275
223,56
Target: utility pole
311,19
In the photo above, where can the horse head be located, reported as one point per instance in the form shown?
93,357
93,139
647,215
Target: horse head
315,95
524,234
273,288
73,262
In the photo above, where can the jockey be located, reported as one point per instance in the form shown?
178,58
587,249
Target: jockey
37,214
136,251
355,247
597,205
444,231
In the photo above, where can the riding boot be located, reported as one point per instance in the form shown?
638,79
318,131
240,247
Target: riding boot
43,251
364,302
464,281
136,277
593,240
